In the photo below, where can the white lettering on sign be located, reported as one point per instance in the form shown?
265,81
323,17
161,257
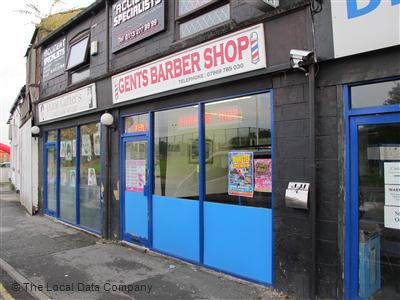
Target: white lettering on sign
68,104
364,25
392,217
236,53
128,9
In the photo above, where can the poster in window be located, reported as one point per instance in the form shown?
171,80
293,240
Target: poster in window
68,150
86,145
73,148
135,177
240,177
263,175
96,142
92,181
72,178
62,149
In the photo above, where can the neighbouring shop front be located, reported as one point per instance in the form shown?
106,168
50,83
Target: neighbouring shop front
373,202
196,179
72,159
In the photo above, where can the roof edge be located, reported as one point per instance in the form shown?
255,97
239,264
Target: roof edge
54,34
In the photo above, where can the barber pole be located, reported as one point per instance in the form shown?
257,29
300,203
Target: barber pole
255,54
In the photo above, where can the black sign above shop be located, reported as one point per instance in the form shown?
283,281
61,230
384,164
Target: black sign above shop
134,20
53,60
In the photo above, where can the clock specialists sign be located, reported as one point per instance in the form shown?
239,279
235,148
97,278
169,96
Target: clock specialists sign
74,102
53,60
237,53
134,20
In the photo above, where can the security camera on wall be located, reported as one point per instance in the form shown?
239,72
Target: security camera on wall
300,59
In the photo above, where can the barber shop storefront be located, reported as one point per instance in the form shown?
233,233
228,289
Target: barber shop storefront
196,179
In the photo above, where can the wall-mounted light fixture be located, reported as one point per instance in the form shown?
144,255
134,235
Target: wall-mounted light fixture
35,131
107,120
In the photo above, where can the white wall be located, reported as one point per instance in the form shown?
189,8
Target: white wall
25,151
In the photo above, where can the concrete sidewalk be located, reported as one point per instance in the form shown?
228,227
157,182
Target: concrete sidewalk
61,262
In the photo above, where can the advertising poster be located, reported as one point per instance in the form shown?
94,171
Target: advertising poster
73,148
92,177
263,175
53,60
68,150
62,149
392,172
240,177
86,145
135,177
96,141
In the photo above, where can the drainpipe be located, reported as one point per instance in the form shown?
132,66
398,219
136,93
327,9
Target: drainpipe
312,195
107,36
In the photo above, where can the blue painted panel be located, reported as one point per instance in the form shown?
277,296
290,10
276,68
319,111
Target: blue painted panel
136,214
238,240
176,227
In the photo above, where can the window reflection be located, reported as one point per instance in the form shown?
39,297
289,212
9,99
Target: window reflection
375,94
176,155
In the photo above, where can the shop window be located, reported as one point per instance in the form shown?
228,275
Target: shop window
176,155
199,15
375,94
89,177
51,136
67,185
239,130
80,75
136,124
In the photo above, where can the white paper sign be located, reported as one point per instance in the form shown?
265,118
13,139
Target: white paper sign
236,53
392,217
392,172
77,101
392,194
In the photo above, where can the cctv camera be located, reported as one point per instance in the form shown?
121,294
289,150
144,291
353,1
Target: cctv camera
300,58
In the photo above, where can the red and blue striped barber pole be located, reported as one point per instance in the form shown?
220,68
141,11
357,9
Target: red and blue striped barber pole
255,54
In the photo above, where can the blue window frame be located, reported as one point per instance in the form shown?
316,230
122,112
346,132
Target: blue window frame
54,146
148,135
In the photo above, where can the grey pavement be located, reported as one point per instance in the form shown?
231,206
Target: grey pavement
66,263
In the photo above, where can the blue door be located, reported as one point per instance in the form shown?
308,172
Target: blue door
374,250
50,180
135,190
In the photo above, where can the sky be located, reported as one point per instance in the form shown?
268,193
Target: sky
16,31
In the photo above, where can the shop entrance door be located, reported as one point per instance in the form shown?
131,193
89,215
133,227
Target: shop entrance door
375,207
50,180
135,189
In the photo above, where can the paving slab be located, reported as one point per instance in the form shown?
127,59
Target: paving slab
66,263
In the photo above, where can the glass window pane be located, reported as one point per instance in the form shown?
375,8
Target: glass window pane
51,179
379,204
89,177
186,6
176,154
236,125
136,124
80,75
51,136
375,94
68,174
77,53
207,20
